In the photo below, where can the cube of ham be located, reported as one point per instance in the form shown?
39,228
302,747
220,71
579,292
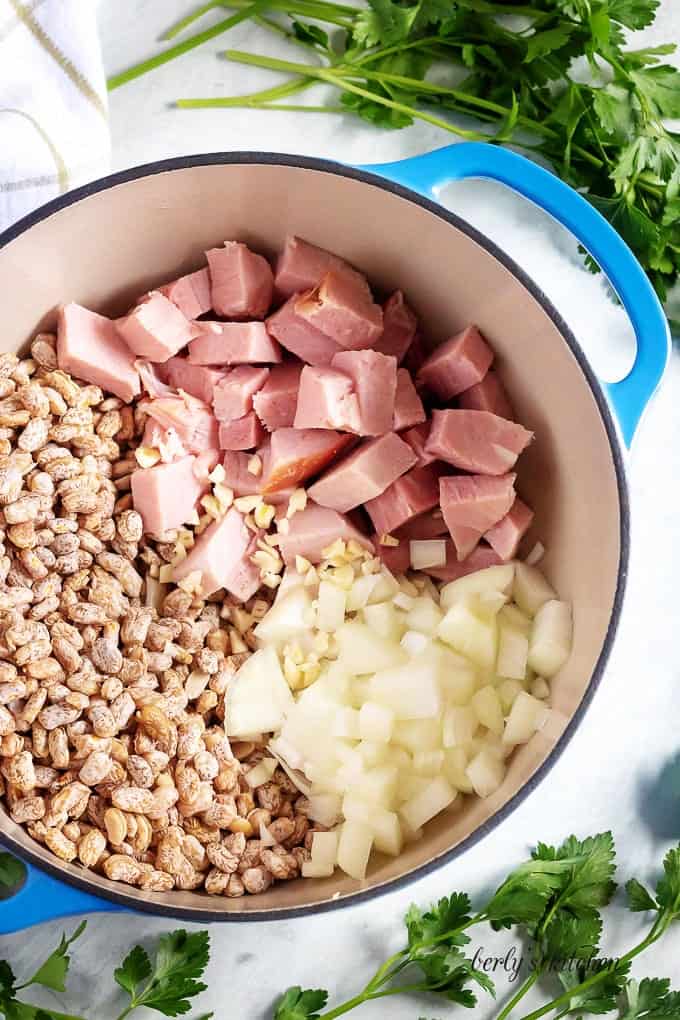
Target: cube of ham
166,495
233,343
315,528
233,395
364,473
191,293
197,380
155,328
411,494
222,555
191,420
408,407
242,433
342,307
504,537
327,400
90,348
302,265
472,504
275,403
476,441
414,357
241,282
479,559
416,438
399,327
487,395
292,455
456,365
299,337
374,377
237,476
397,558
431,524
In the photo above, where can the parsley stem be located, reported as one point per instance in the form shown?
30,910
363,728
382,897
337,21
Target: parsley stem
519,994
116,80
189,19
253,99
335,77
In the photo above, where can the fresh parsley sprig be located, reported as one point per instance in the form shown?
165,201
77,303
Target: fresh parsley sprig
556,899
499,78
166,986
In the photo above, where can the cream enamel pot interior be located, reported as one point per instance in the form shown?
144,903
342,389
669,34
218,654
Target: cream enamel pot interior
108,242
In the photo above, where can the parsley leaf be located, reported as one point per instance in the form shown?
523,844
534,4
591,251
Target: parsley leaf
449,914
12,871
633,14
638,897
660,86
171,982
597,999
52,973
296,1004
668,888
135,968
651,999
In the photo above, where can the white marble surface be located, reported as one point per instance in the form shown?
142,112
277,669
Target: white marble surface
611,774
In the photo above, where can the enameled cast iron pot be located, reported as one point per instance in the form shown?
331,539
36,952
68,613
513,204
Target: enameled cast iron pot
107,242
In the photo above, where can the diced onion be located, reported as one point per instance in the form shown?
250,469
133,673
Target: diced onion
261,773
427,553
536,555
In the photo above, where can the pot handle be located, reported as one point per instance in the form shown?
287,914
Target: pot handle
43,898
630,396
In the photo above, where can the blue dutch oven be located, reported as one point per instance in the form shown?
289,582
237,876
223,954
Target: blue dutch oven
111,240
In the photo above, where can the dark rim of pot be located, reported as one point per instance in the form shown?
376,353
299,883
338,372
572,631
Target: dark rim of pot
327,166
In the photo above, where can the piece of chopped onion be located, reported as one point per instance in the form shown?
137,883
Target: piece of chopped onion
261,773
429,552
536,555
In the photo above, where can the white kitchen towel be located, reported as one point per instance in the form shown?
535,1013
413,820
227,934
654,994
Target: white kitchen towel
54,131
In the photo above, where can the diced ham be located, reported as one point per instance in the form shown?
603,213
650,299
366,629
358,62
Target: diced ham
364,473
299,337
488,395
456,365
472,504
342,307
204,463
237,476
275,403
166,441
375,383
476,441
431,524
292,455
241,282
150,377
414,357
412,494
233,343
165,495
408,407
479,559
416,438
397,558
191,293
192,421
233,394
313,529
197,380
327,400
155,328
90,348
242,433
504,537
222,556
399,327
301,266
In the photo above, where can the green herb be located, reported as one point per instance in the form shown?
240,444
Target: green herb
556,900
606,136
166,986
50,974
12,872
